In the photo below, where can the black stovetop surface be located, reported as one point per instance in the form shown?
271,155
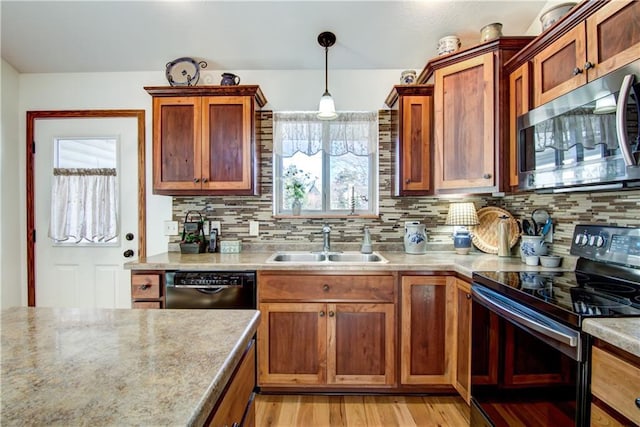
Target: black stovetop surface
567,296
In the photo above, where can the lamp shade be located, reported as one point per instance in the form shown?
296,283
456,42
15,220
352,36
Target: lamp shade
463,213
327,108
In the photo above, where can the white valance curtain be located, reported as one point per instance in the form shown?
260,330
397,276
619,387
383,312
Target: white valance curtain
580,126
84,205
350,132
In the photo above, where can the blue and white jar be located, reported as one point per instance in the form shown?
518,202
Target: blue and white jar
532,245
415,238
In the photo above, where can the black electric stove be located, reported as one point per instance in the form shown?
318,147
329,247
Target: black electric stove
605,283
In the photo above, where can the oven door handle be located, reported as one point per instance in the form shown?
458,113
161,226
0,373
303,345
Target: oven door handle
518,314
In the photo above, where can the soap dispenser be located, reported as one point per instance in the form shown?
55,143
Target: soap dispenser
366,242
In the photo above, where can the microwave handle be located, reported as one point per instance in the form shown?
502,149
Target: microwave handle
621,117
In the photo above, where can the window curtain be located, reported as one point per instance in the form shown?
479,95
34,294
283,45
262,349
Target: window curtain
350,132
578,127
84,205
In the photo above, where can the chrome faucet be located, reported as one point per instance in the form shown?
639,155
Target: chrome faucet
326,238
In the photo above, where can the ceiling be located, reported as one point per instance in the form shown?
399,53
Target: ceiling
114,36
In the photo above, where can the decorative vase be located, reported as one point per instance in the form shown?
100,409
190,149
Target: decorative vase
415,238
532,245
462,241
296,207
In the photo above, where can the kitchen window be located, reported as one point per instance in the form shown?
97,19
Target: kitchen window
325,168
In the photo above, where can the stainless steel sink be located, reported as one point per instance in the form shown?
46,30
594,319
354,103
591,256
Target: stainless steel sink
356,257
297,257
327,258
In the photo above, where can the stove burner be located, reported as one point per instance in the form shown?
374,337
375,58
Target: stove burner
610,287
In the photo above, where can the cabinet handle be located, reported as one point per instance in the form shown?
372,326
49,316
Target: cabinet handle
486,176
577,71
588,65
638,402
331,314
322,314
325,288
196,180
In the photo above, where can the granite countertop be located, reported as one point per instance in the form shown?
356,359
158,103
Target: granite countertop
621,332
397,261
65,366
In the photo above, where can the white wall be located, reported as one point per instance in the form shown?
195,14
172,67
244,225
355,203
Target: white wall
12,282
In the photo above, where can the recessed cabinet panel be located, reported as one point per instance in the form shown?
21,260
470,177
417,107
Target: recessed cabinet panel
178,157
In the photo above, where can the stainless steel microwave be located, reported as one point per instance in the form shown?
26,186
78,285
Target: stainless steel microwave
586,140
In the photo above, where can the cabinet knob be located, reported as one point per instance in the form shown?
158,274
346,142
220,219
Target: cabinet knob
408,181
486,176
145,287
325,288
196,180
638,402
468,296
322,314
588,65
577,71
331,314
205,180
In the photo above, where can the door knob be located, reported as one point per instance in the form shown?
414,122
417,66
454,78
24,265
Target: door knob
128,253
129,236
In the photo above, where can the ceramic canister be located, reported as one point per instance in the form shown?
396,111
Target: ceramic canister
448,44
532,245
415,238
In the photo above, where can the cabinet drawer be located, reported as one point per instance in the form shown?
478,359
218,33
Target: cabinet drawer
616,382
326,288
145,286
146,304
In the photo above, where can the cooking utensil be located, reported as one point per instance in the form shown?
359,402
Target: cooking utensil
539,217
527,228
546,227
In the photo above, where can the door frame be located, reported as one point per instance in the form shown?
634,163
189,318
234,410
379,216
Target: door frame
32,116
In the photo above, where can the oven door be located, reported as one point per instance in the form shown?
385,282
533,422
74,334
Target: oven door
527,369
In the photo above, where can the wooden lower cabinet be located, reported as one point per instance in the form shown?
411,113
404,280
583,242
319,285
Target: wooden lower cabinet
427,330
236,406
462,377
326,330
615,387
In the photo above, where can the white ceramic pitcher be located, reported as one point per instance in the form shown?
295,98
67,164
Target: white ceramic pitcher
415,238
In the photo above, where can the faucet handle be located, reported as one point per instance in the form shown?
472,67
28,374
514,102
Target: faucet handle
326,228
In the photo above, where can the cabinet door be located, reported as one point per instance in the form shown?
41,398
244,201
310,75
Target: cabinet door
613,37
559,68
464,111
361,344
292,341
462,381
519,104
415,145
227,149
427,330
176,143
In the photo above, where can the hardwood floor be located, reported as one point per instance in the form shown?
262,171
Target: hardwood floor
361,411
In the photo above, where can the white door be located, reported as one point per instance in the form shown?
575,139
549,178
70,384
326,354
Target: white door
86,274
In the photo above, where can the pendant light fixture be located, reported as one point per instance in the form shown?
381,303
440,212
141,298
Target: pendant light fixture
327,106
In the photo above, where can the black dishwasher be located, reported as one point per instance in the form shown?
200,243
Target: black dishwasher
210,289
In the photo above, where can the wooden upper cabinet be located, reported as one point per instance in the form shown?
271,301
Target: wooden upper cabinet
519,103
465,139
204,140
605,41
413,141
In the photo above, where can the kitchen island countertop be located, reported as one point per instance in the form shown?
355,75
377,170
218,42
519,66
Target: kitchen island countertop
65,366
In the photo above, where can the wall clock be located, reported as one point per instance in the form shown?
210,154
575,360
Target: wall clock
184,71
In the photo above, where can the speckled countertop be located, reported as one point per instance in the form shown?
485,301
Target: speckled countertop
397,261
118,367
621,332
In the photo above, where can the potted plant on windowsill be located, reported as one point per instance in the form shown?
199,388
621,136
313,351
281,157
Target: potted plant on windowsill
296,186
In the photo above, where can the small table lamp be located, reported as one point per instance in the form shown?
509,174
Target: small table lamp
460,215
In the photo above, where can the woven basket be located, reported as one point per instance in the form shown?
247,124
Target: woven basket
485,234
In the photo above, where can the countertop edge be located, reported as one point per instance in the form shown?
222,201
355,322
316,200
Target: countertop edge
220,382
623,333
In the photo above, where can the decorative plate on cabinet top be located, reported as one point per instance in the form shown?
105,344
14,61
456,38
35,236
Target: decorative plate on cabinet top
184,71
485,235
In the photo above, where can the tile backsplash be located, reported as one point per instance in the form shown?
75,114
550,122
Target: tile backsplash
387,230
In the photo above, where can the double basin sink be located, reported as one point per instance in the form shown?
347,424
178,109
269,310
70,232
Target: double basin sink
326,257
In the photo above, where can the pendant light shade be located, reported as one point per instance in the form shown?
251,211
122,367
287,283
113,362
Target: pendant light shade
327,108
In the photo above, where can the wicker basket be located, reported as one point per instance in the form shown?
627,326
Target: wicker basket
485,235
